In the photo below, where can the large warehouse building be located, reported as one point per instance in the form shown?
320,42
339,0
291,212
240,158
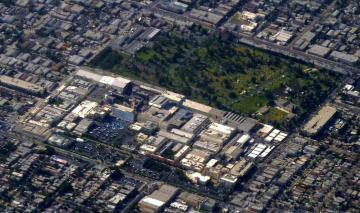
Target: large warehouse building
156,201
317,123
24,86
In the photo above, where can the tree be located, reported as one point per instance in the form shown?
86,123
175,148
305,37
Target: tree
181,175
232,95
7,2
116,174
227,84
253,80
107,59
187,91
342,3
65,187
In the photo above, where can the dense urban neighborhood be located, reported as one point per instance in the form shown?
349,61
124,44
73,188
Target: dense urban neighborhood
179,106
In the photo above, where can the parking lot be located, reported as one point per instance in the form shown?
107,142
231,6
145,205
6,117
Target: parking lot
109,131
97,151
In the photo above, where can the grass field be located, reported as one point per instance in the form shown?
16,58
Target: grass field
250,105
274,114
222,74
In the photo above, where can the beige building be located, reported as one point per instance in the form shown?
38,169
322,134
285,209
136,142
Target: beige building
316,123
157,200
21,85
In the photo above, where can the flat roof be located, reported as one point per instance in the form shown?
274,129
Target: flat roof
197,106
221,128
173,96
21,84
344,56
320,120
152,201
319,50
161,196
117,82
243,139
89,75
123,108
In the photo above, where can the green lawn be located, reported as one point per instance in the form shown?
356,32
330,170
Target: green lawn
250,105
274,115
146,56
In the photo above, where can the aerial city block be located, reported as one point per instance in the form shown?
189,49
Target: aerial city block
180,106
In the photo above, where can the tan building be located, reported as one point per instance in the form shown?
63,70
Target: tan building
192,199
157,200
316,123
21,85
